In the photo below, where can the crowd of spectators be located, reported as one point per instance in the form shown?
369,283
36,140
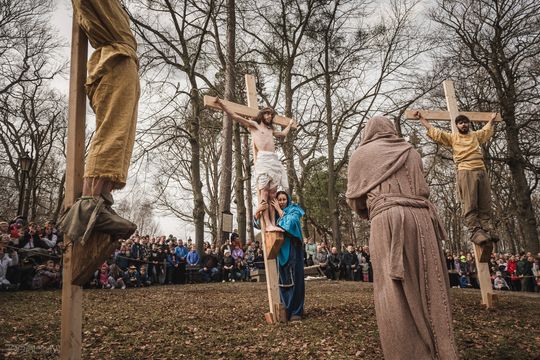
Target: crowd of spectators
508,272
31,258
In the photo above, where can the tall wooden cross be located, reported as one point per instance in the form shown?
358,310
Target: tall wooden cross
277,310
481,254
79,262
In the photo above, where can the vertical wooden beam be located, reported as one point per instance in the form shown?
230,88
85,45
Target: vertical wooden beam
451,102
70,343
482,268
272,276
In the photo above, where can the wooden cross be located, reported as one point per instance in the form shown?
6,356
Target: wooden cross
277,310
79,262
481,254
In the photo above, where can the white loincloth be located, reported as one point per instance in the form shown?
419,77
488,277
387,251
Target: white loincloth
269,171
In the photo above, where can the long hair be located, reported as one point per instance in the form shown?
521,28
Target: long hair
260,115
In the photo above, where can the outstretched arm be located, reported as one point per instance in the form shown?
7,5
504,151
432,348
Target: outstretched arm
245,122
422,120
285,131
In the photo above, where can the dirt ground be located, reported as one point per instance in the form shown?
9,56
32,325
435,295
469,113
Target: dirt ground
225,321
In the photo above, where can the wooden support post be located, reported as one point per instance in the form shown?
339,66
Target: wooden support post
71,327
481,255
277,310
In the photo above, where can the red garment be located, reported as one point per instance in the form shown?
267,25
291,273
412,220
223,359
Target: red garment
103,278
511,267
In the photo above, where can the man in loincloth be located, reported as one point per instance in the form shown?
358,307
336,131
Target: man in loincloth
269,171
112,86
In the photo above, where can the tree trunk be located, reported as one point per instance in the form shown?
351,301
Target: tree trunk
239,184
249,197
331,186
196,183
225,189
516,162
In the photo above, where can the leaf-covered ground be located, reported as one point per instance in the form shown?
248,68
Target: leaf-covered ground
225,321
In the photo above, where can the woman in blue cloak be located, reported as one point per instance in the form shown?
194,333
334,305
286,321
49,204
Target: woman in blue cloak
290,259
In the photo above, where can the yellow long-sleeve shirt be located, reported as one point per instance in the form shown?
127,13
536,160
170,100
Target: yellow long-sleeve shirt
465,148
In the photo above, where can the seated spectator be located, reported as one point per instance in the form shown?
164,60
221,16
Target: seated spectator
192,257
102,277
143,276
239,272
321,257
227,265
259,259
350,263
237,252
334,264
209,263
116,277
131,277
499,283
46,277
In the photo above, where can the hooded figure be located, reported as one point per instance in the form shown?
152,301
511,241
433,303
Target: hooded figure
290,258
386,185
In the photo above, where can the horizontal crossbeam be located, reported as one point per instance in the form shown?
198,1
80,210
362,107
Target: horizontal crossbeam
445,115
210,101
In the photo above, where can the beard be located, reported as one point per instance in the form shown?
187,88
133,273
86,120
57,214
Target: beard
464,131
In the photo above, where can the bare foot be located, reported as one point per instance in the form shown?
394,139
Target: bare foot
274,228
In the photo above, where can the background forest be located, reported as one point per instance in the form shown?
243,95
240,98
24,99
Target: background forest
330,65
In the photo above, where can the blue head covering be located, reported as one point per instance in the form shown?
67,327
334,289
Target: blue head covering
291,223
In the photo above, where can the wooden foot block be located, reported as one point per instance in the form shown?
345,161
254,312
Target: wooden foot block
484,252
280,312
269,317
272,242
87,258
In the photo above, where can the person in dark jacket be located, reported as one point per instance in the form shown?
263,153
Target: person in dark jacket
334,265
209,263
350,263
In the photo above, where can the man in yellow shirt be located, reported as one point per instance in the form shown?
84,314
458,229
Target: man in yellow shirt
473,183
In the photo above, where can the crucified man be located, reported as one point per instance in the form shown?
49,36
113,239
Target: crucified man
269,171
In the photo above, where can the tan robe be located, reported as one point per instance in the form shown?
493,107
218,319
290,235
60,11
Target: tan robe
410,279
112,86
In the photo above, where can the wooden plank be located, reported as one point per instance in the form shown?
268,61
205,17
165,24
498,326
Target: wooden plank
445,115
71,322
251,89
210,101
451,102
484,279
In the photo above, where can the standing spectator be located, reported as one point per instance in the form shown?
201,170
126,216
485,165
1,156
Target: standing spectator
311,251
511,269
334,264
365,254
536,272
192,257
31,239
170,265
180,252
528,282
122,258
